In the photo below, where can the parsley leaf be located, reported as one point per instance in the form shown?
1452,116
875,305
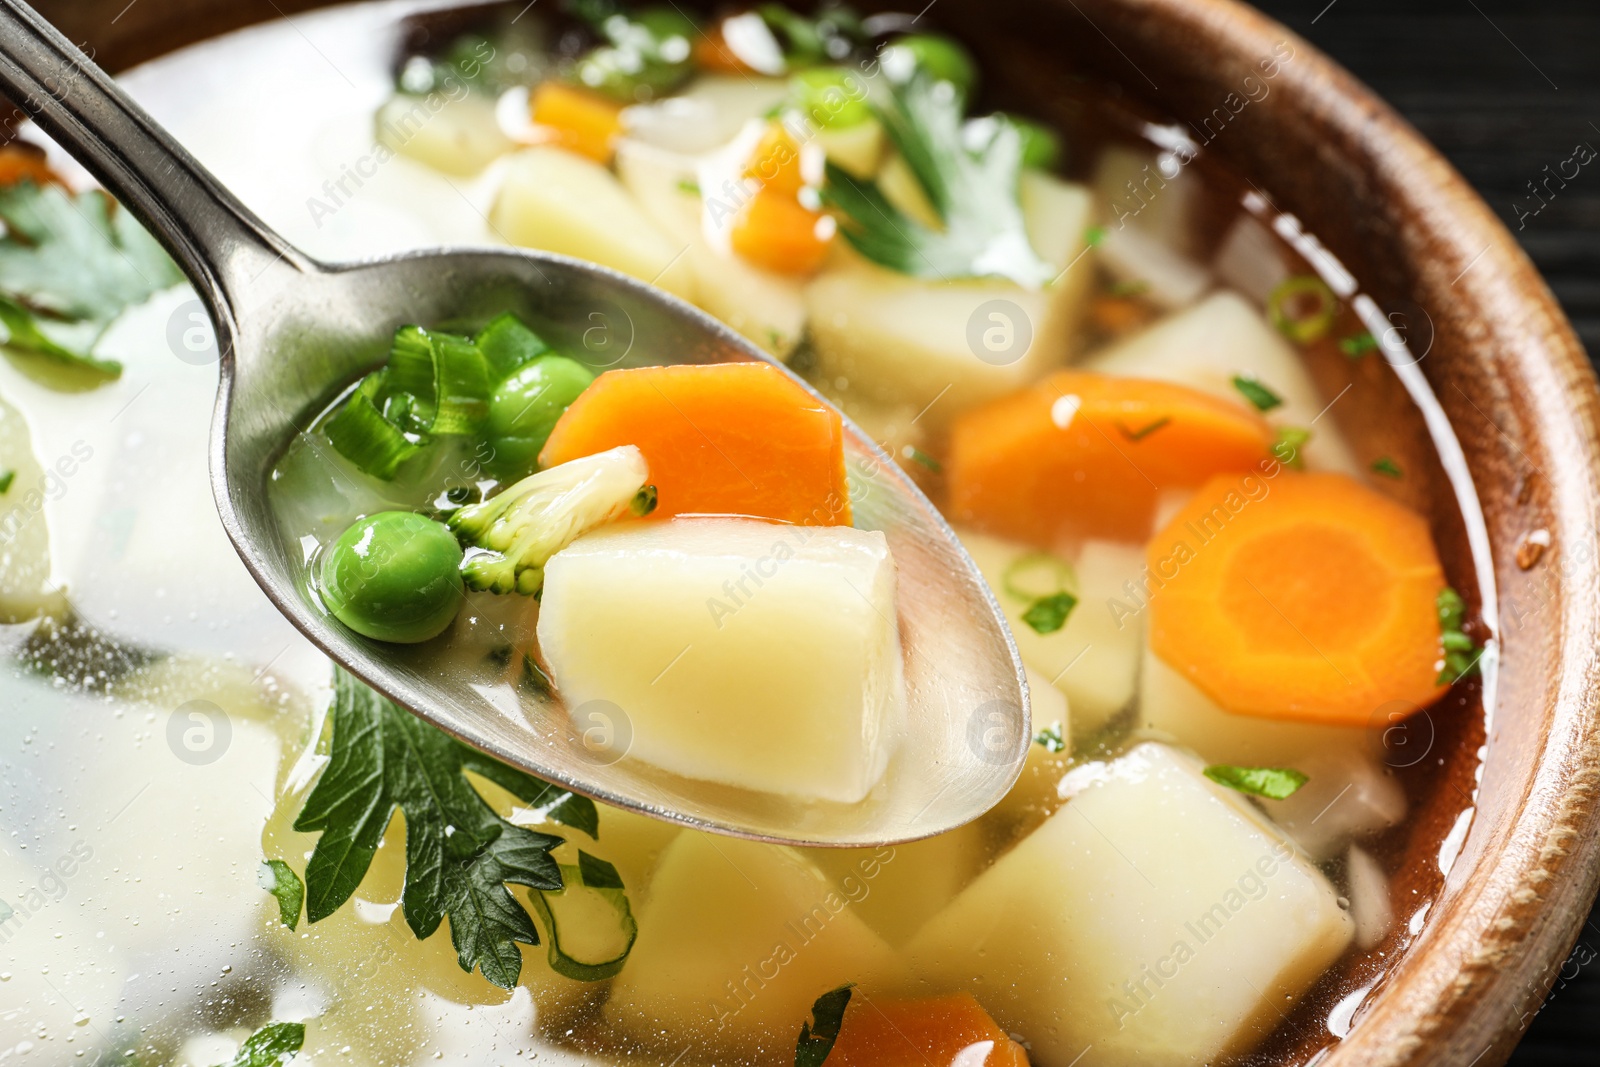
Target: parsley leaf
1259,395
1049,613
818,1035
69,264
1274,783
970,173
1461,653
271,1046
1050,738
279,879
459,854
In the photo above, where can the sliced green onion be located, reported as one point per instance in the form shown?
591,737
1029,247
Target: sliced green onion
1034,575
1287,446
1049,613
507,343
410,377
644,501
462,381
360,433
589,922
1286,308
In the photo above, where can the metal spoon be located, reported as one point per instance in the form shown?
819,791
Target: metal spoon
294,332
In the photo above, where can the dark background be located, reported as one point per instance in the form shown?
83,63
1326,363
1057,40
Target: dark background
1504,88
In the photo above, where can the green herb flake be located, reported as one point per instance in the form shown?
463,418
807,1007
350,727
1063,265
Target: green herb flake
1051,739
1094,235
1460,653
1144,431
279,879
1049,613
1274,783
818,1035
689,185
70,263
271,1046
460,855
970,174
1387,467
644,501
7,476
1288,443
1358,344
917,455
1262,398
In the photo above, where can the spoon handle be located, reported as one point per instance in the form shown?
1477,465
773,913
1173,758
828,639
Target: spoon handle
220,244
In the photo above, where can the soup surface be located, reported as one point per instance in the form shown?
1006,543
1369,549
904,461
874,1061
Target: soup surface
1120,373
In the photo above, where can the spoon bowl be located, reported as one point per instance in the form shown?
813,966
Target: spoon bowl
295,333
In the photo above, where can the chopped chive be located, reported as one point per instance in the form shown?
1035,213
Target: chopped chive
1387,467
7,476
1050,738
917,455
1049,613
689,185
1274,783
1144,431
1358,344
1260,396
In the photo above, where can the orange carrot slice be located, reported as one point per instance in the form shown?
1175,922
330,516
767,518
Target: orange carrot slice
20,161
1083,455
711,52
773,230
916,1033
1304,597
775,164
578,120
721,439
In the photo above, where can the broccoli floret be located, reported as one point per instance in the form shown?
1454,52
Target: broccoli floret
510,536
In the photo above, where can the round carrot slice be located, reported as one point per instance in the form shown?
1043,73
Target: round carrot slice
1304,597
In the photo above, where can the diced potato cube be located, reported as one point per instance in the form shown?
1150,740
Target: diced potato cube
955,344
26,588
461,137
736,940
740,652
561,202
767,308
1148,190
857,148
1348,794
1206,345
895,889
1037,794
1370,905
1173,708
1156,917
706,115
1094,658
1161,275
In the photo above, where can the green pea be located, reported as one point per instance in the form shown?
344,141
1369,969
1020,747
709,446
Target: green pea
940,57
1041,146
832,97
524,408
394,576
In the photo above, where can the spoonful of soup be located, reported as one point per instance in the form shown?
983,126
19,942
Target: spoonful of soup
570,519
